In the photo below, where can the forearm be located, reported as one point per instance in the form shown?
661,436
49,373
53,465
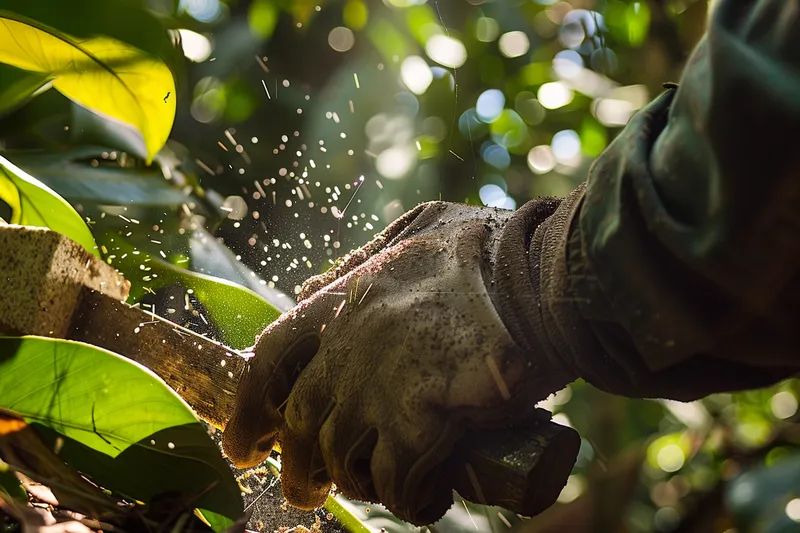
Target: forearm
667,277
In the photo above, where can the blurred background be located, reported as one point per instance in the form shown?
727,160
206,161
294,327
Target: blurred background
304,127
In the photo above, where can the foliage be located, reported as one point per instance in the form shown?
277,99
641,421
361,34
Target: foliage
34,204
118,424
282,106
111,420
105,75
239,313
66,172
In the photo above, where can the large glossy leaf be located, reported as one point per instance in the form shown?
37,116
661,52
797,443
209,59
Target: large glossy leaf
125,428
129,21
71,174
105,75
34,204
238,313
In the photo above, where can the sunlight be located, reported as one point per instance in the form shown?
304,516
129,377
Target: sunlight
196,47
416,74
555,94
514,44
446,51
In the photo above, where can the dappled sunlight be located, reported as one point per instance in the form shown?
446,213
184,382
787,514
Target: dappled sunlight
445,50
196,46
555,95
301,130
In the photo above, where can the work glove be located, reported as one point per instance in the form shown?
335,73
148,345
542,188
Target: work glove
406,343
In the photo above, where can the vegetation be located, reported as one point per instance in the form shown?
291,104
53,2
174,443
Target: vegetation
220,152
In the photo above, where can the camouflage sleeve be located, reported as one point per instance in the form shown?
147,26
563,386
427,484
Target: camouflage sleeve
674,273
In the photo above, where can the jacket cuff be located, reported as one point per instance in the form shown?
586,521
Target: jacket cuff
515,288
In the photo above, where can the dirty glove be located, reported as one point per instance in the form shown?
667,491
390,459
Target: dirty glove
407,342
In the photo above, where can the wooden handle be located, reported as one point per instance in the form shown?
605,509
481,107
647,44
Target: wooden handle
203,372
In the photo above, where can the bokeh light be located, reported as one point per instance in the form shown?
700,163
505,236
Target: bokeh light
201,10
395,162
604,60
470,126
404,3
793,509
541,159
209,100
671,458
494,196
416,74
341,39
783,405
666,518
568,64
235,207
486,29
510,131
514,44
196,47
497,156
446,51
555,94
566,146
611,112
529,108
490,105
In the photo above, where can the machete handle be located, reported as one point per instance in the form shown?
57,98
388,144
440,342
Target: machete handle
522,469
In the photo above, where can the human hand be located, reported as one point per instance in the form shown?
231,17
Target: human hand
372,379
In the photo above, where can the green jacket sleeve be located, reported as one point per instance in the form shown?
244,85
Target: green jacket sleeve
674,271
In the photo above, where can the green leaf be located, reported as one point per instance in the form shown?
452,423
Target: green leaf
217,522
210,256
17,86
34,204
238,312
85,393
129,21
124,428
341,508
105,75
75,179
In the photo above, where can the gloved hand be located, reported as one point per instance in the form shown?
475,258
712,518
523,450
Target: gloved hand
372,379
